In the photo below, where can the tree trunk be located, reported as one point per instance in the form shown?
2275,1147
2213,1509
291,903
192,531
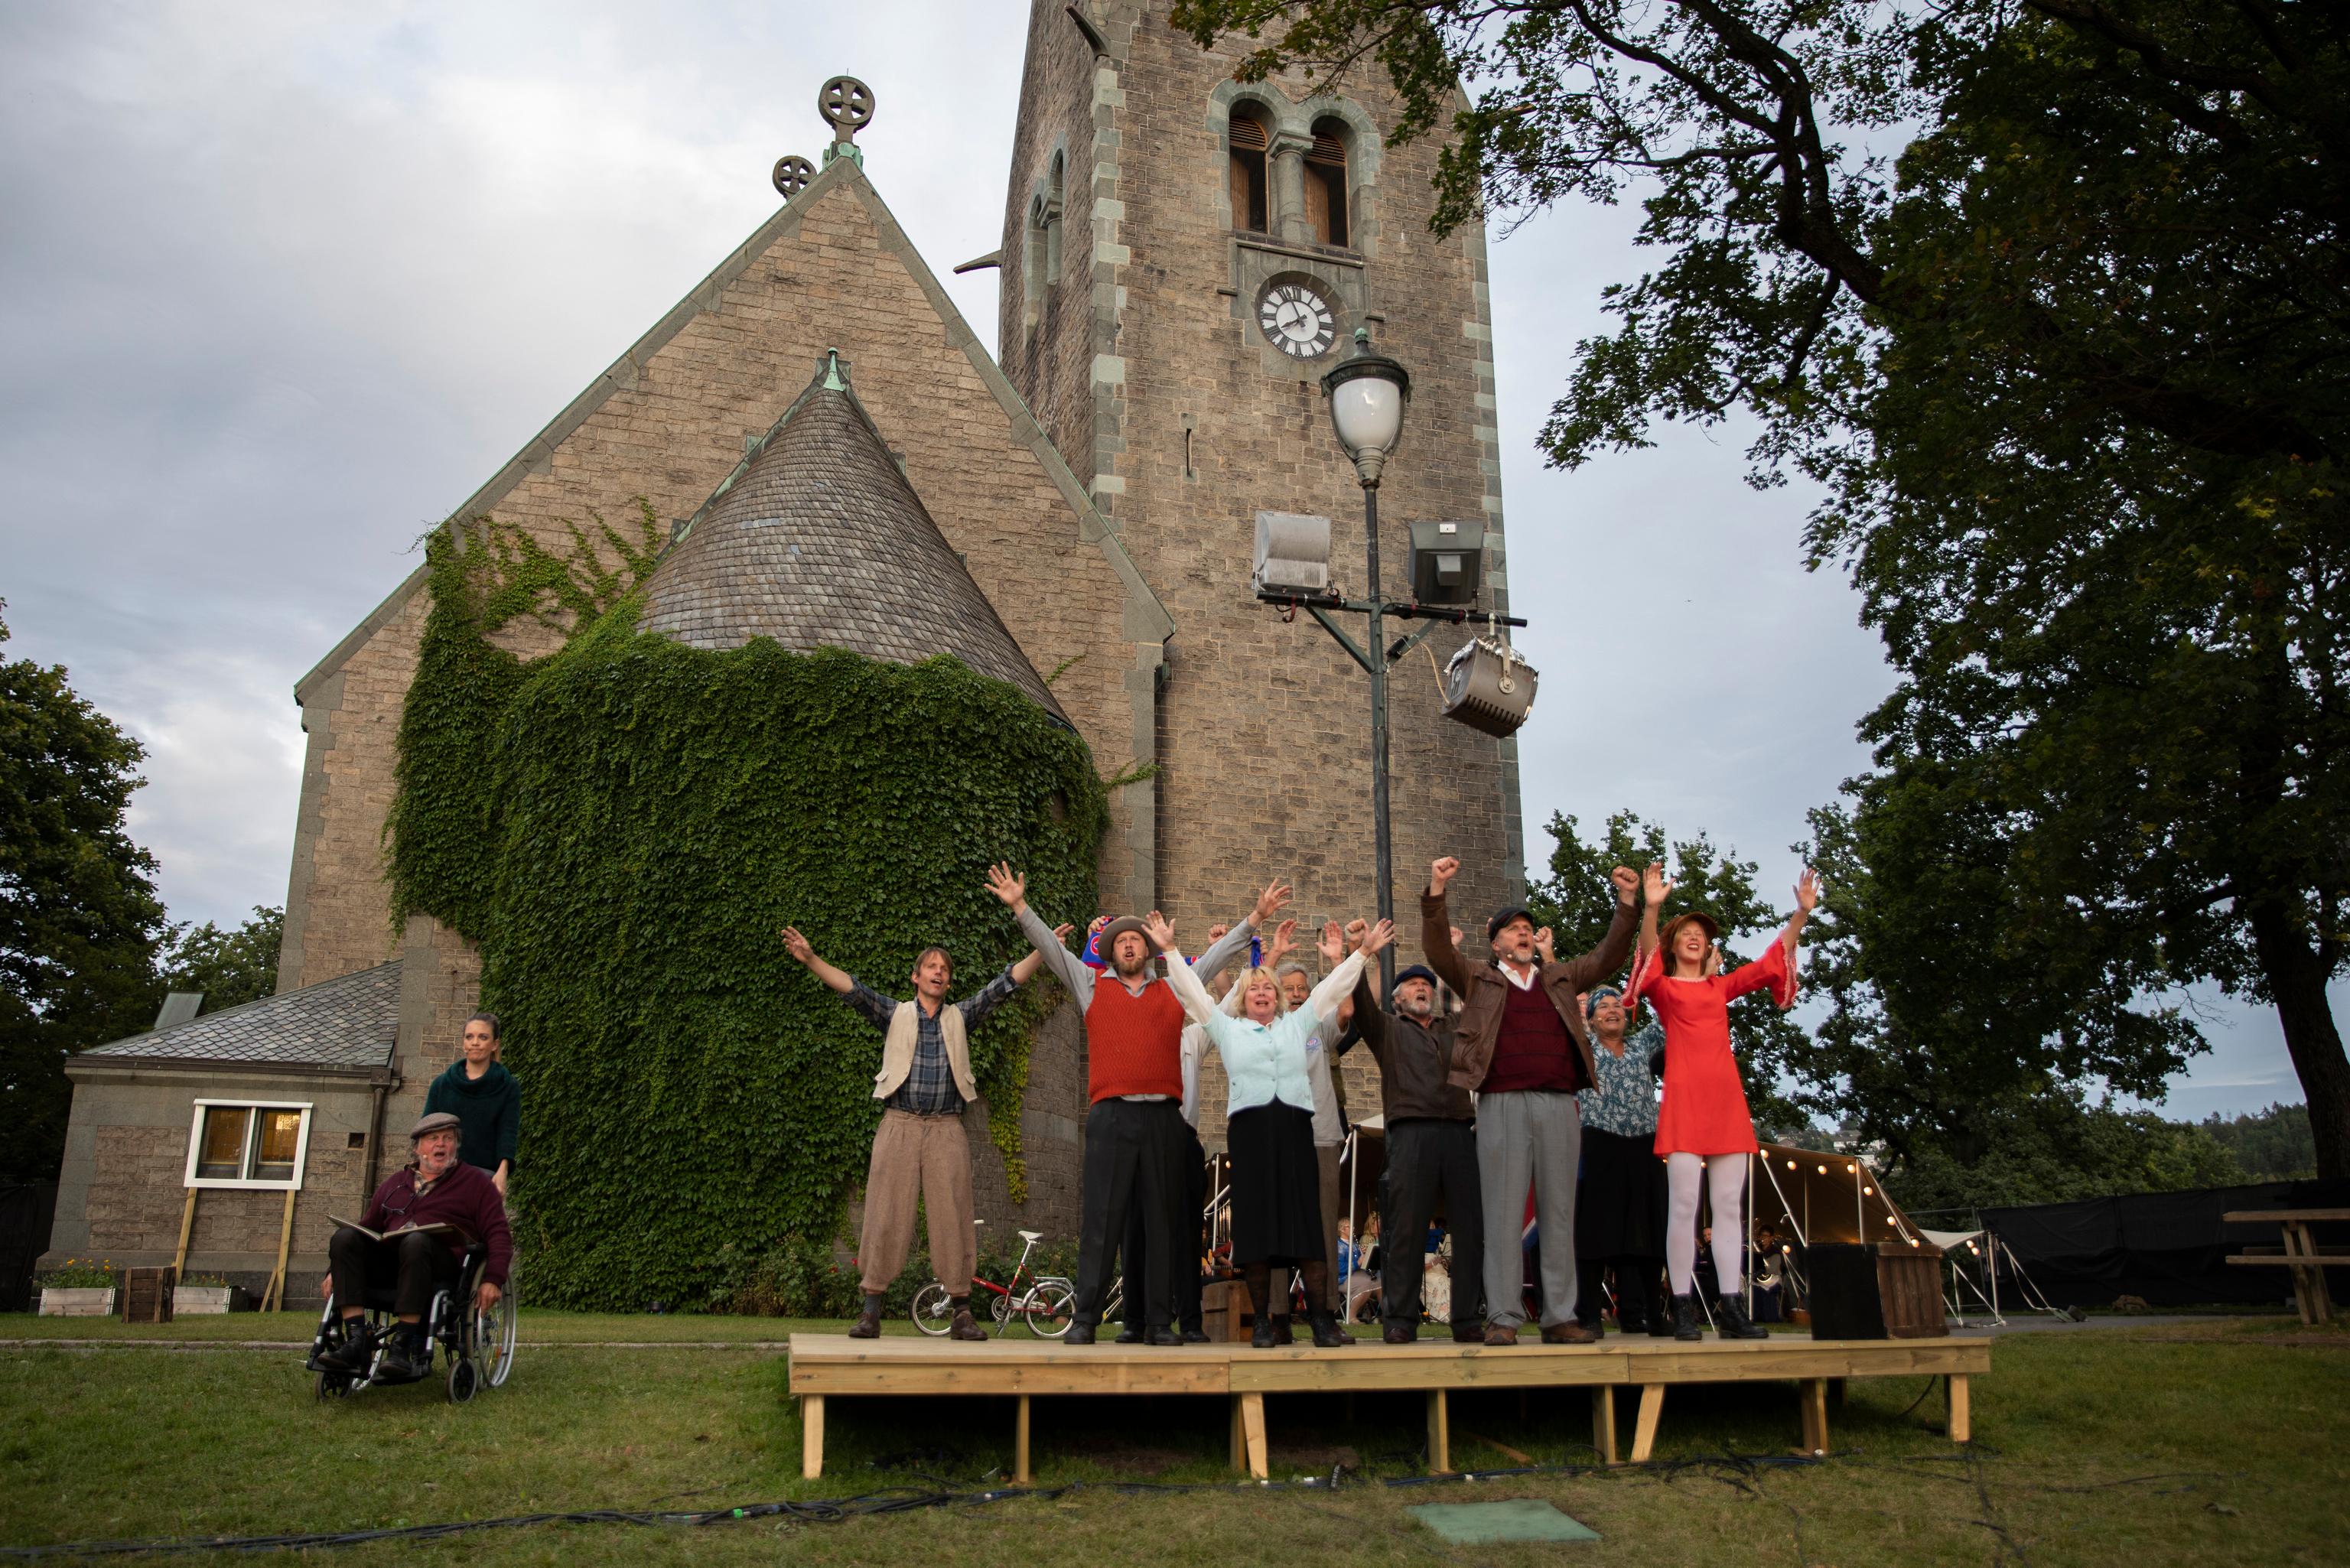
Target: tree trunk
2297,979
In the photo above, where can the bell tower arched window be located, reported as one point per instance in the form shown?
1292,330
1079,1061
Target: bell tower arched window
1252,209
1327,214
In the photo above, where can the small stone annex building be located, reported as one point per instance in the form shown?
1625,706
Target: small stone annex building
1085,501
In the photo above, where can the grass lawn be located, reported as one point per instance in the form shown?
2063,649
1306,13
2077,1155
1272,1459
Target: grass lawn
2210,1443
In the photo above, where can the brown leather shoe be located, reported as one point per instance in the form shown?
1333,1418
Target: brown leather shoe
867,1326
1399,1334
1497,1334
1568,1333
965,1328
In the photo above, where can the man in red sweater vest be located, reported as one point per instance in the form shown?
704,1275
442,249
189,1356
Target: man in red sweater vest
1136,1139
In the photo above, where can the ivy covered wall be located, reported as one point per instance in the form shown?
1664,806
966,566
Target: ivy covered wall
624,824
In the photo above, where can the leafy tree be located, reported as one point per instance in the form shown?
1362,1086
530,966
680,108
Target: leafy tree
2273,1145
229,967
80,919
2055,1148
1578,901
2049,295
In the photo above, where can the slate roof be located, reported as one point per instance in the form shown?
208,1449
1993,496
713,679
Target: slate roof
818,541
347,1022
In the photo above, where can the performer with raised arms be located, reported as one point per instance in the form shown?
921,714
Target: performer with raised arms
1704,1131
1276,1187
1136,1141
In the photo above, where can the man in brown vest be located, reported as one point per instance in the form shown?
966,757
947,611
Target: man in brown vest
1521,1042
921,1152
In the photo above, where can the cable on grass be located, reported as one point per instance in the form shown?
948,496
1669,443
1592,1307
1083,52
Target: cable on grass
835,1510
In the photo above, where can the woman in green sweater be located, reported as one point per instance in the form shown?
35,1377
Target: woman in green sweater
484,1098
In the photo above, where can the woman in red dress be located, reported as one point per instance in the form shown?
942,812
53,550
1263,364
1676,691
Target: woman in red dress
1704,1132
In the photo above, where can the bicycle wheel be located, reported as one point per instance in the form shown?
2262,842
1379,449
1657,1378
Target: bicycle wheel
933,1309
1051,1308
998,1309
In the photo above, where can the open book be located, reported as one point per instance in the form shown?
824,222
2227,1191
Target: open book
438,1228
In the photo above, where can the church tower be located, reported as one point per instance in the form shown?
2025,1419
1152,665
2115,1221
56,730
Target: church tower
1184,258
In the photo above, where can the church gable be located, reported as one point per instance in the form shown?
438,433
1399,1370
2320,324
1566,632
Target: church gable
669,421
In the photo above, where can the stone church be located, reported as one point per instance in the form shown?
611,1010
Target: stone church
1095,485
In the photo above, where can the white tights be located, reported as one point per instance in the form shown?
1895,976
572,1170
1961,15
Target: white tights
1725,1179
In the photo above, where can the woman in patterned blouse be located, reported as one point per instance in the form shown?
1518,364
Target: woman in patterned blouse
1619,1204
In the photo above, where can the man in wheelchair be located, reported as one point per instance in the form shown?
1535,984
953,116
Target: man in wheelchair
412,1263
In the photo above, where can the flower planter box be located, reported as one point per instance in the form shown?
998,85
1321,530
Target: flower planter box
186,1299
77,1301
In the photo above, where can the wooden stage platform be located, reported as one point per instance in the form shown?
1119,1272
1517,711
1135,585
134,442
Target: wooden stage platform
829,1365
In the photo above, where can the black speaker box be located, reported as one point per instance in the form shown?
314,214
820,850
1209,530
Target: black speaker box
1844,1300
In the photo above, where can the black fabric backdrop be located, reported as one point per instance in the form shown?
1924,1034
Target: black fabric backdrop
2169,1248
25,1215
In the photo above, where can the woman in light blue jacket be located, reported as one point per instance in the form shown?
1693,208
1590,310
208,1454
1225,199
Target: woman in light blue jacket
1269,1126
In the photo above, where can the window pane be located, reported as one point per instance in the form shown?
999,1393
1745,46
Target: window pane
280,1132
222,1150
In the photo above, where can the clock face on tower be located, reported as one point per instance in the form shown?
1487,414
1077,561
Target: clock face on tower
1297,320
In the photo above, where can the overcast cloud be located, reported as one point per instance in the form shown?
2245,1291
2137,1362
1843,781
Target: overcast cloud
281,285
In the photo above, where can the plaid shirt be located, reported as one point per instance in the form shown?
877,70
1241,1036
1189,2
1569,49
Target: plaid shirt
929,1086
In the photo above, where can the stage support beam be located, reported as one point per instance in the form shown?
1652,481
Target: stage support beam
1603,1423
811,1435
1019,1444
1439,1435
1248,1435
1955,1396
1813,1392
1644,1429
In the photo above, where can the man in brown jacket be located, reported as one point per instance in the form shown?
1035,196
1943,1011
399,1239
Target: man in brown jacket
1521,1042
1431,1137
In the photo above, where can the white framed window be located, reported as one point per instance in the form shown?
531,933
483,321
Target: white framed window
248,1143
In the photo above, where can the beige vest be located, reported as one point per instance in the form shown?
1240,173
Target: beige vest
898,1049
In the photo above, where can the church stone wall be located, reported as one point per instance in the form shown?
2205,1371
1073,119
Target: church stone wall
1264,727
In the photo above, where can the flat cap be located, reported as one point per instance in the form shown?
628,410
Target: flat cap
433,1122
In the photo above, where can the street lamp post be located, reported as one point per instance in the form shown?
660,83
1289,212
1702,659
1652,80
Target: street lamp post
1368,392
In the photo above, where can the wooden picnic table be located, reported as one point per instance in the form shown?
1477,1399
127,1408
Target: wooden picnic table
2301,1254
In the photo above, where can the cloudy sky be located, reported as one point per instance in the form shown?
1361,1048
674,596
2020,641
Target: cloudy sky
280,285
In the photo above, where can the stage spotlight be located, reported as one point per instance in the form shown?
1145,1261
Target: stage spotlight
1868,1192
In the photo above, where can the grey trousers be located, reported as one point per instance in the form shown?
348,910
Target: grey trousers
1529,1138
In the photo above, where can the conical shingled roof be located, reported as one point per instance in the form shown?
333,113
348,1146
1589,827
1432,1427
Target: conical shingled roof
817,541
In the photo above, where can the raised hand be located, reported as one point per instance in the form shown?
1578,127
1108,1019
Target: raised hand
1457,934
1354,929
1008,885
1284,943
1162,934
1807,889
1628,884
797,945
1270,902
1334,942
1545,944
1378,937
1441,871
1654,887
1216,932
1061,932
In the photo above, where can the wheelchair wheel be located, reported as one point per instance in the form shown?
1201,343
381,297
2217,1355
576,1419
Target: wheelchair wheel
463,1379
334,1385
933,1309
494,1338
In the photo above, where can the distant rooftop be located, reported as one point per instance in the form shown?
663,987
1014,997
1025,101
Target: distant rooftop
349,1022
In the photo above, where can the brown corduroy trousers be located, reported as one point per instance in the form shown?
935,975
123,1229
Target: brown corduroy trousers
926,1158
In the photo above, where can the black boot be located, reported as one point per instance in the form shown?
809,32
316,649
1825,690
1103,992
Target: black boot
1731,1322
352,1354
1684,1319
1326,1336
408,1358
1130,1333
1260,1290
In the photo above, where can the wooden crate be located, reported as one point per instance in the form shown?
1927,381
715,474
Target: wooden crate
1225,1313
1909,1285
146,1295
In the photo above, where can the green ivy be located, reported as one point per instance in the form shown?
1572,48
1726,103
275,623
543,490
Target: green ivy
624,825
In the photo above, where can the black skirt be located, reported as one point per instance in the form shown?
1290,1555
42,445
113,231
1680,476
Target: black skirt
1619,1204
1276,1186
